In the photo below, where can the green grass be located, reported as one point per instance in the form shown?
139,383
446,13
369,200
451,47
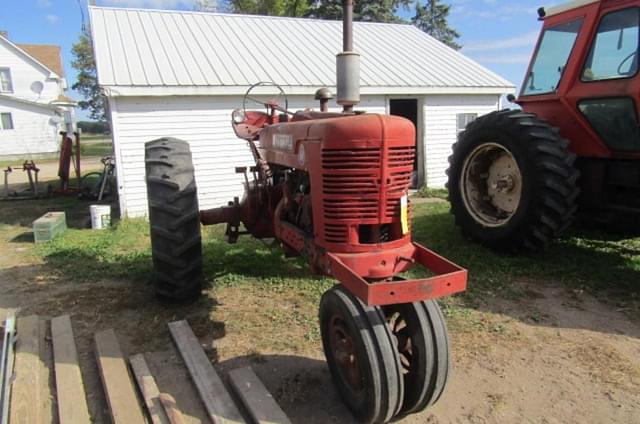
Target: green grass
439,193
582,260
96,149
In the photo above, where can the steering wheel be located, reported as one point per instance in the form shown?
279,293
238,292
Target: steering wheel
625,60
276,101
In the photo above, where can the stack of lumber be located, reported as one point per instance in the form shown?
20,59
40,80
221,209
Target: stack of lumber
46,383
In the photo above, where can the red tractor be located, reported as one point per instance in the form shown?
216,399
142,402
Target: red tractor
332,188
516,178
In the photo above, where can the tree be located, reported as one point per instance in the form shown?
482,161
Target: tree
206,6
369,10
87,80
269,7
432,19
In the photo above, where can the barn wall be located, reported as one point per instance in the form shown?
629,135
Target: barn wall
34,133
440,129
203,121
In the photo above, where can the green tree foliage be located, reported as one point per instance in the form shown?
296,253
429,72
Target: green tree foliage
432,19
206,6
269,7
369,10
87,82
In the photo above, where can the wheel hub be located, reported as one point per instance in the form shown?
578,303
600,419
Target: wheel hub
344,352
491,184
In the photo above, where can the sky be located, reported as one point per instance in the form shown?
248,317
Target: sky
499,34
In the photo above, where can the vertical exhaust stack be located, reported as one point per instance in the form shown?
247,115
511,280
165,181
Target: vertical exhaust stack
348,63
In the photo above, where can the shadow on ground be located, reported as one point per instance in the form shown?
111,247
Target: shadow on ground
582,264
23,212
302,387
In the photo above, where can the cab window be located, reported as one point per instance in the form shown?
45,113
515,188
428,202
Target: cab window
614,119
614,52
551,58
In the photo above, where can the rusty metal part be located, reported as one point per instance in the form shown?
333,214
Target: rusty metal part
222,215
343,348
32,171
324,95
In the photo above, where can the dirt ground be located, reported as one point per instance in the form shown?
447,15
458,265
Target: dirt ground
560,356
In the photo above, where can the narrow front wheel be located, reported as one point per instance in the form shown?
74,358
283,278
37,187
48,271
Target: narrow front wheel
362,357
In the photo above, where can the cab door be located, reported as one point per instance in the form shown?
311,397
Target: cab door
606,93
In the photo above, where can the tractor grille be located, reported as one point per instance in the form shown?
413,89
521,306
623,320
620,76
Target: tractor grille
350,189
401,156
401,168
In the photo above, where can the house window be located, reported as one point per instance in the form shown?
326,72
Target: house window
6,121
465,119
5,80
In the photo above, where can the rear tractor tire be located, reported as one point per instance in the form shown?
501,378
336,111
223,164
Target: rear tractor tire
512,181
174,220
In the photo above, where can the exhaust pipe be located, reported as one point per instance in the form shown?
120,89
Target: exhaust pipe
348,63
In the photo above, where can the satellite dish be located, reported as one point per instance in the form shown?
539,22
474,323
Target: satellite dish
37,87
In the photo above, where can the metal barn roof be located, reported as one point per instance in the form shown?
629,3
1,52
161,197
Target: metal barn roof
157,52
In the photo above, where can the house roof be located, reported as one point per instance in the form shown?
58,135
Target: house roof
157,52
49,55
50,67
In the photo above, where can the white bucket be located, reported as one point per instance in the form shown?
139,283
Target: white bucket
100,216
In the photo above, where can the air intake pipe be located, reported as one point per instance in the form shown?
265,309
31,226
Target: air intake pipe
348,63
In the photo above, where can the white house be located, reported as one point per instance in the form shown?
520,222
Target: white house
180,74
33,107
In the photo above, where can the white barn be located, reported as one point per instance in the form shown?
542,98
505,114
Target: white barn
33,108
180,74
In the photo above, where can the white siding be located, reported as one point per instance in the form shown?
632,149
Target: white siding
24,72
34,130
440,129
203,121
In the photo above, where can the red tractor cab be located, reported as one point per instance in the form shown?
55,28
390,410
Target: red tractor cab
517,177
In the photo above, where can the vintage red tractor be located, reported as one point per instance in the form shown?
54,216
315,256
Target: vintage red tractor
333,188
516,178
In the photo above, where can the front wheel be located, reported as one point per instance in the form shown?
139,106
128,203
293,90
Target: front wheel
174,219
422,342
512,181
362,356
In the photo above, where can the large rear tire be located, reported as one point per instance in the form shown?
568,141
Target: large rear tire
174,219
512,181
362,356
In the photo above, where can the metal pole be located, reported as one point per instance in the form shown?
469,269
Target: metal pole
348,63
6,181
347,25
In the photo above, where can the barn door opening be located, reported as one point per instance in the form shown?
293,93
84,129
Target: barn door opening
408,108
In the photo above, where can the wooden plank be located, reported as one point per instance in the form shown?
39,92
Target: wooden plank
256,399
118,387
30,394
214,395
170,407
72,401
148,388
8,356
